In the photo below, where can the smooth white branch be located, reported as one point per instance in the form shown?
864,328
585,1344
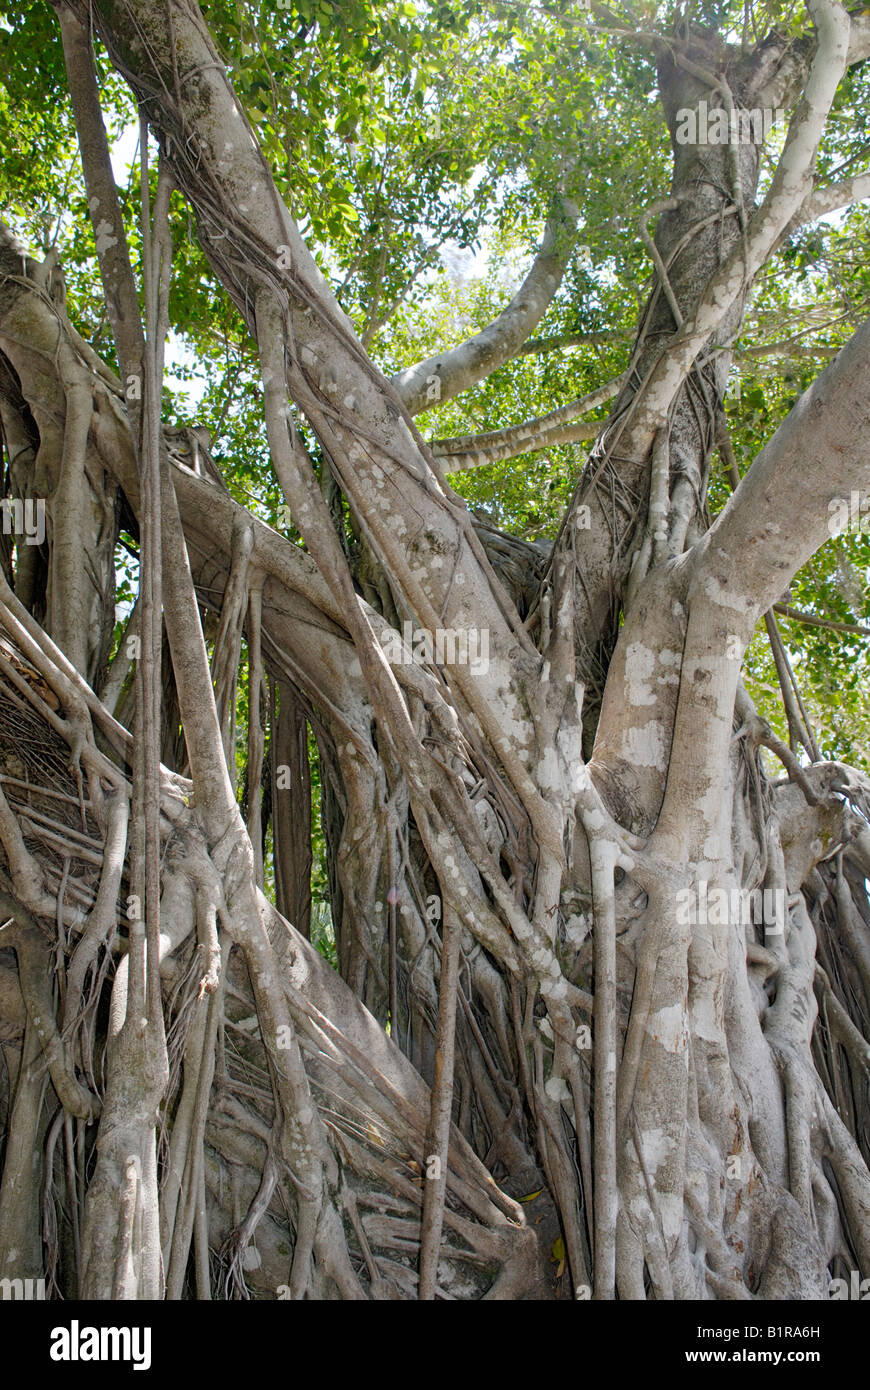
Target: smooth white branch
446,374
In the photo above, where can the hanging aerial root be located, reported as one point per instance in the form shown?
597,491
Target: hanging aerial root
438,1135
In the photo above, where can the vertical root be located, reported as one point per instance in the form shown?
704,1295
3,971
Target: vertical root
604,1053
438,1136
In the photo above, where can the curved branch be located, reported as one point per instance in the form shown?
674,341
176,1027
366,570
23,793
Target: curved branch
555,342
797,615
781,512
559,427
445,375
830,197
788,347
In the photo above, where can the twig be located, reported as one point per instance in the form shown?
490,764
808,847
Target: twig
798,616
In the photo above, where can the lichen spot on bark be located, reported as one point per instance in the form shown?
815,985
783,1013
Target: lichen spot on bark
639,665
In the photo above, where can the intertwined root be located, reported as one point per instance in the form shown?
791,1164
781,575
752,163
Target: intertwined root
228,1194
769,1197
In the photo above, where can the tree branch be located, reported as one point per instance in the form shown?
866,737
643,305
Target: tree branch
559,427
555,342
830,197
798,616
779,515
445,375
785,196
785,62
